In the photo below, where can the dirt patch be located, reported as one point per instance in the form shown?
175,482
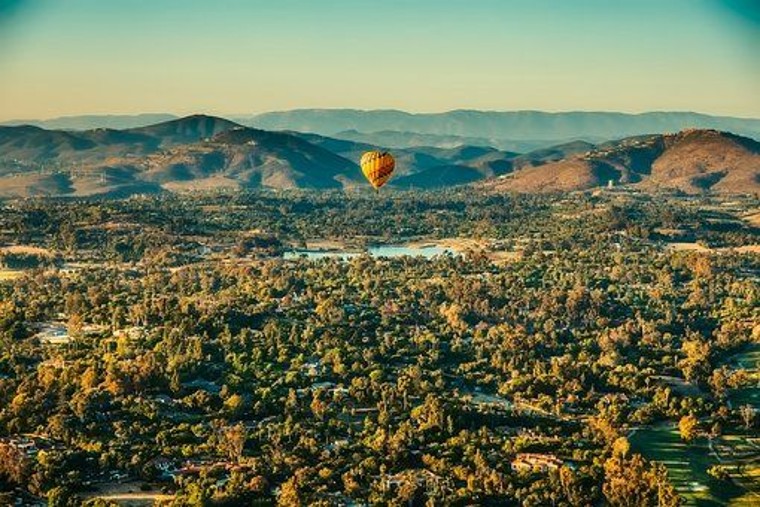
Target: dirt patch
457,244
502,257
325,244
745,249
26,249
753,218
696,247
6,274
686,247
129,494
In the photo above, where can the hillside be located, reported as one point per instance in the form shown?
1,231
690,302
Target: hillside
206,152
551,154
691,161
485,161
197,152
254,158
52,148
701,160
185,130
33,144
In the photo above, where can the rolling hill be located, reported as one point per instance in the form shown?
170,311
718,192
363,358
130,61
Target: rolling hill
206,152
196,152
486,161
185,130
692,161
253,158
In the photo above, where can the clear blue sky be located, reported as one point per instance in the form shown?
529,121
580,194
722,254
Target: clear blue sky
243,56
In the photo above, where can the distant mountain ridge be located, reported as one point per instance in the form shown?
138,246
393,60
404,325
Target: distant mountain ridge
396,139
496,126
93,121
517,131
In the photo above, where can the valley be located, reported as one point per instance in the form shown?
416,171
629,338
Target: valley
545,351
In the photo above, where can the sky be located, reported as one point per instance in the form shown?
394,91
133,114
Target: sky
71,57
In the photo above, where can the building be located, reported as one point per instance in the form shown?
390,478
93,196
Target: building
529,462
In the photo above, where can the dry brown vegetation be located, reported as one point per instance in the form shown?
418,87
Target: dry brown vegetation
692,161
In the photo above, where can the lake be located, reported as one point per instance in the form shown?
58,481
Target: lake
374,251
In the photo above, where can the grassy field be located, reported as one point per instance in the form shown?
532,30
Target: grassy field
748,360
687,466
748,395
129,494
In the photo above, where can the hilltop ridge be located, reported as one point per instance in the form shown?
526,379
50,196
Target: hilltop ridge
694,160
207,152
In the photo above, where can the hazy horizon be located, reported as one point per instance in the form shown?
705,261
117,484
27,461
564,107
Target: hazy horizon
234,58
234,115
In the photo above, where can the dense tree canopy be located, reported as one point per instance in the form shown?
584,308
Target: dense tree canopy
394,380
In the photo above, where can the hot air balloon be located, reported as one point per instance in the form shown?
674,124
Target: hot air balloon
377,167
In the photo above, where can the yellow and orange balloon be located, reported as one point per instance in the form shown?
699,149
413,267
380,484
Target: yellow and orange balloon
377,167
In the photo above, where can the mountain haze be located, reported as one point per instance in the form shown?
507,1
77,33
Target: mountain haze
397,139
492,125
88,122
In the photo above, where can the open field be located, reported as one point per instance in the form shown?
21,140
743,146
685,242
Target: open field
681,246
325,244
749,395
26,249
696,247
748,360
687,466
457,244
129,494
745,249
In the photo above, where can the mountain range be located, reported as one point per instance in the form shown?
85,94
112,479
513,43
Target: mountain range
94,121
493,126
206,152
518,131
193,152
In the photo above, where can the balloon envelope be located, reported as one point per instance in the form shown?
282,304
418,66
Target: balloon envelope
377,167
